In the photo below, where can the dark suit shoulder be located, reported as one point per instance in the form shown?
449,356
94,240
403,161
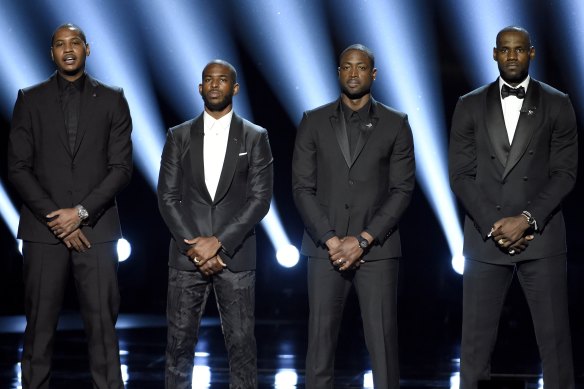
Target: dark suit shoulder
323,110
382,109
549,90
252,127
183,128
103,87
477,93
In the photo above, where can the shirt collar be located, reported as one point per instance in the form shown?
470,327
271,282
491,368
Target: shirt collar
362,113
217,125
78,83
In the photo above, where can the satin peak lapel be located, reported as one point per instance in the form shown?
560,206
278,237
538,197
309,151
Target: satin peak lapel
197,158
528,120
231,157
340,129
495,123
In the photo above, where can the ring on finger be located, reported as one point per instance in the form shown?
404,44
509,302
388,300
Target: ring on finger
196,260
501,242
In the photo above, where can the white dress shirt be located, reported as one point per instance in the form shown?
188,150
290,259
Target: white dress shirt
214,148
512,107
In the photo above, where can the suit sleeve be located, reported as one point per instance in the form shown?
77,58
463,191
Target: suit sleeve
304,177
170,181
119,162
21,159
462,165
401,185
563,165
260,178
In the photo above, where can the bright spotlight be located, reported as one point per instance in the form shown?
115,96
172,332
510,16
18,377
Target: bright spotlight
286,379
124,250
455,381
368,379
125,374
288,256
458,263
201,377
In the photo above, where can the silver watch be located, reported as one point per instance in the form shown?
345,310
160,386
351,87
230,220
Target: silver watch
82,212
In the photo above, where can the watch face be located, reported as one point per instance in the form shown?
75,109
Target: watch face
364,244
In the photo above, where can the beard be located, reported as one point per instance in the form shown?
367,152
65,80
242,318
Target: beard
356,94
217,106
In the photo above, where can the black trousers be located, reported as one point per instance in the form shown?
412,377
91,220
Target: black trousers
376,286
187,297
46,271
484,290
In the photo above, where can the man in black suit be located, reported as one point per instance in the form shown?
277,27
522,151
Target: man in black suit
215,185
69,153
352,178
513,158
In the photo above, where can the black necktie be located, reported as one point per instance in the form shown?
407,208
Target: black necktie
506,91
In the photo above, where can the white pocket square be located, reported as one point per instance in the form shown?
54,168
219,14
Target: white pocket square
240,154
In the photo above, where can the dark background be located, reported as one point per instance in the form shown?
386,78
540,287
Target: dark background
429,290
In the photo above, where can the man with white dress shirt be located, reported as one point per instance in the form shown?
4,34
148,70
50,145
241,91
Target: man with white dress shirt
513,158
215,185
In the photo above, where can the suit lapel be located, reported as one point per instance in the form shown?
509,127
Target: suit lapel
340,129
365,133
231,157
525,125
496,124
88,97
197,157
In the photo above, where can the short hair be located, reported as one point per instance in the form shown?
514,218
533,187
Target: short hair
513,29
362,48
231,68
69,26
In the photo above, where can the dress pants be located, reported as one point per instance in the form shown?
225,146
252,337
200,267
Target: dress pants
46,270
376,286
484,289
187,297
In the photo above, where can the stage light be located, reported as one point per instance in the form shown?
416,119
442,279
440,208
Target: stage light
455,381
408,81
9,213
286,379
368,379
288,256
458,263
125,374
281,35
124,250
572,13
201,377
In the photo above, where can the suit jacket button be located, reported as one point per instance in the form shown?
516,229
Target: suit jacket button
351,182
498,207
525,178
346,206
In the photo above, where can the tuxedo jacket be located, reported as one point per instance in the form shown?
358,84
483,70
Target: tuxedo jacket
48,175
242,199
494,179
370,191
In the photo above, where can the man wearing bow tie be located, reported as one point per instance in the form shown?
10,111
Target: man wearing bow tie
513,158
353,177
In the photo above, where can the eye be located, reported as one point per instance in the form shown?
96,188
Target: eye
520,50
58,44
503,50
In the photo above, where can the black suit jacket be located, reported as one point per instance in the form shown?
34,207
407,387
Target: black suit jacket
49,176
241,201
371,191
493,179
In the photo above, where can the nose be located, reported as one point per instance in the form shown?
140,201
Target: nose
354,72
511,54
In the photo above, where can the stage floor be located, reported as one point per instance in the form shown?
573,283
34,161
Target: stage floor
281,351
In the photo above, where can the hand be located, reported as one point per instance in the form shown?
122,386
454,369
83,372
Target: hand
520,245
347,255
202,248
212,266
65,221
77,241
507,231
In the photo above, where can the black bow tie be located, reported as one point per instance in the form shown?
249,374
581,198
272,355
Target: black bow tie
506,90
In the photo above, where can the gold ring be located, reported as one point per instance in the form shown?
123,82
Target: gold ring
501,242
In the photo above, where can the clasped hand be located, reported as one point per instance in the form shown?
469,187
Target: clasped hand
203,251
344,253
510,234
65,225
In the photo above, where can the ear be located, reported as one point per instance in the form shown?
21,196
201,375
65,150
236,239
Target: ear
201,89
495,54
531,53
374,73
52,56
87,50
235,89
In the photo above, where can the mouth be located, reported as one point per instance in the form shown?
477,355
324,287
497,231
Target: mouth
353,83
69,59
214,94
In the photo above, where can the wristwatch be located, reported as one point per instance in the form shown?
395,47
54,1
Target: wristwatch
82,212
363,243
529,218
